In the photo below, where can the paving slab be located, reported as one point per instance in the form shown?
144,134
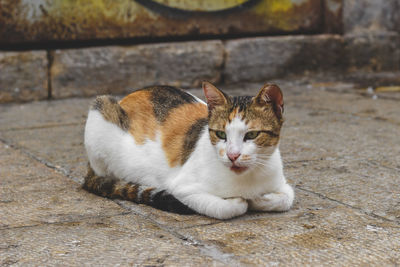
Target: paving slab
43,114
33,194
326,236
109,241
60,146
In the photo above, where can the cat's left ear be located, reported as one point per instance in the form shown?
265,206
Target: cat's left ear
271,93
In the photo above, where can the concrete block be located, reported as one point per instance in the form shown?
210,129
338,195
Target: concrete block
371,15
373,51
259,59
118,70
23,76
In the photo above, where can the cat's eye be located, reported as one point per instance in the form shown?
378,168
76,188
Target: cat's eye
220,135
251,135
271,133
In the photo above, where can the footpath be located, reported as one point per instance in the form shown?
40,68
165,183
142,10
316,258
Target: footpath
341,151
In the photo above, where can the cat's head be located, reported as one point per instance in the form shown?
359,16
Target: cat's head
244,130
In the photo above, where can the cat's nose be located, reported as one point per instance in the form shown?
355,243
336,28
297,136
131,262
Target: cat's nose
233,156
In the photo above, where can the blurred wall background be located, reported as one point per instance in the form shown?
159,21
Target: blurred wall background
66,48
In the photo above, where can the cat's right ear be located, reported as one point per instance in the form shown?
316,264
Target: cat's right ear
214,96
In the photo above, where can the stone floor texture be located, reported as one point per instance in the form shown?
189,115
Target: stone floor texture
341,151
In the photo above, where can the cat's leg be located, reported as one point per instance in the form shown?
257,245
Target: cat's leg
211,205
281,200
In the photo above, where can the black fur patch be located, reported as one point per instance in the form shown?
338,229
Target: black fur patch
192,136
164,201
165,98
242,102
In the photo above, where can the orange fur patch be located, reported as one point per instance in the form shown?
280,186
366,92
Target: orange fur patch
174,129
132,192
233,114
139,108
258,124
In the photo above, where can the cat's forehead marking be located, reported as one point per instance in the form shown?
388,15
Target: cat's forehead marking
240,105
237,124
233,114
241,102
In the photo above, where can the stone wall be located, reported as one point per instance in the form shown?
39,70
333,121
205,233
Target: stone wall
368,41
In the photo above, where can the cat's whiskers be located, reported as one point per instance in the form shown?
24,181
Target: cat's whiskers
263,164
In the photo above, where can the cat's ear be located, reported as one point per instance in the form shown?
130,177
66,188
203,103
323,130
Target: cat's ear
214,96
271,93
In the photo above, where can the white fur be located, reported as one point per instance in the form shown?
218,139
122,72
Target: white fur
205,182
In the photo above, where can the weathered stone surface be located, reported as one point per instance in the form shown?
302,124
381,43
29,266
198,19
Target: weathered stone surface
339,147
125,240
356,159
32,194
44,114
333,12
23,76
64,146
371,15
168,219
320,235
259,59
373,51
44,21
116,70
365,79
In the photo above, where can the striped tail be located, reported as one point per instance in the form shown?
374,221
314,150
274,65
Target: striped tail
117,189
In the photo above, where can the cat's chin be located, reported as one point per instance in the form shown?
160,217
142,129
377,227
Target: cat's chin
238,169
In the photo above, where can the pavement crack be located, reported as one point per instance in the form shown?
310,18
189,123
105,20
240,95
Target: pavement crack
374,164
209,250
62,222
201,225
371,214
48,164
43,126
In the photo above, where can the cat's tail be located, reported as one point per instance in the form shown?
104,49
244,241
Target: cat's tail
118,189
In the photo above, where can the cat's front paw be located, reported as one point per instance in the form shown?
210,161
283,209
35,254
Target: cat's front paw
277,201
271,202
233,207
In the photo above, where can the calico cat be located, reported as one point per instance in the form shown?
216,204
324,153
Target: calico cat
166,148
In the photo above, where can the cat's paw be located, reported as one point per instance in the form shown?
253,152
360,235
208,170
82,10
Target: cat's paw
271,202
232,207
277,201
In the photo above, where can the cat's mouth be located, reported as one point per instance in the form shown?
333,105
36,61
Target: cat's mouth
238,169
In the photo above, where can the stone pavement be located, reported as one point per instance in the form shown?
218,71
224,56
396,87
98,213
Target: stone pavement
341,150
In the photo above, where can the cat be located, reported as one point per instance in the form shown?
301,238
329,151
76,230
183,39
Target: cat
164,147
